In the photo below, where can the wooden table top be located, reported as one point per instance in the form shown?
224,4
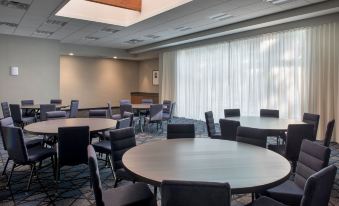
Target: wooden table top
50,127
141,106
266,123
245,167
37,106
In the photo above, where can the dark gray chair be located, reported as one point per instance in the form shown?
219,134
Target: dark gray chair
44,108
147,101
329,132
125,101
232,112
312,158
167,106
177,131
28,112
109,110
56,101
5,109
97,113
211,131
269,113
229,129
74,109
123,108
187,193
27,102
17,116
167,115
56,115
155,115
21,155
317,190
130,115
252,136
312,119
135,194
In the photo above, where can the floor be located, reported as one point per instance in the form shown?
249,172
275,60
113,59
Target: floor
74,185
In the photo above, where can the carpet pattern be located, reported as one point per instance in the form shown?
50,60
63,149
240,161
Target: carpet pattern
74,188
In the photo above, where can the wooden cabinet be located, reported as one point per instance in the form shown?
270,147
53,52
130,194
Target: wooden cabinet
136,97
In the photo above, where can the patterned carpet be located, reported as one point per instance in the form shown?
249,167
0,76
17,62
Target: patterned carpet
74,186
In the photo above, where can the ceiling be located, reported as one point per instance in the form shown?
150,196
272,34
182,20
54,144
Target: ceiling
39,20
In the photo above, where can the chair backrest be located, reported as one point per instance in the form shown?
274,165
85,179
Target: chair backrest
252,136
72,145
125,108
123,123
74,109
16,147
129,115
125,101
5,109
121,141
329,132
27,102
5,122
155,112
56,101
229,129
312,119
210,123
97,113
172,109
16,112
269,113
147,101
312,158
176,131
232,112
44,108
188,193
167,106
295,135
95,175
318,187
109,110
56,115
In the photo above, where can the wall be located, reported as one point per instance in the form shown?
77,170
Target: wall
38,62
146,68
96,81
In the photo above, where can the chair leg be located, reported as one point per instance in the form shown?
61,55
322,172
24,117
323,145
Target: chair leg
4,171
116,182
10,175
111,166
31,176
155,191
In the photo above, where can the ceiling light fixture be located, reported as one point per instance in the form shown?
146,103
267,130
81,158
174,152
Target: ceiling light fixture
134,41
41,32
55,22
220,16
14,4
92,38
115,57
110,30
12,25
71,54
183,28
151,36
278,2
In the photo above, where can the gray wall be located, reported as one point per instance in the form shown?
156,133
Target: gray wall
146,68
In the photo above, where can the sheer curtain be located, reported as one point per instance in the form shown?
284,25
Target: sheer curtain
295,71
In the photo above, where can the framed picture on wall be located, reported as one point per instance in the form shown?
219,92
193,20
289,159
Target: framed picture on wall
155,77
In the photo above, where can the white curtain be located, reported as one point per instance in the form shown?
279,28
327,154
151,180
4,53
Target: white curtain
295,71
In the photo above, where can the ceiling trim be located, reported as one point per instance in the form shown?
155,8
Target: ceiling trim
134,5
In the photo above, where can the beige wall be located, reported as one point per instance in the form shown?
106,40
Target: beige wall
38,62
96,81
146,68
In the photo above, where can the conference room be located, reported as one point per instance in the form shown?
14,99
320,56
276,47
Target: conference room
169,102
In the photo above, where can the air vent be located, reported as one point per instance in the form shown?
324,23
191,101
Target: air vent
110,30
278,2
55,22
220,17
183,28
151,36
134,41
14,4
12,25
44,33
92,38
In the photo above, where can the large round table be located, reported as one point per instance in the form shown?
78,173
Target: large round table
245,167
50,127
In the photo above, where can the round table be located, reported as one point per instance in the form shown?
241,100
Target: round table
37,106
50,127
245,167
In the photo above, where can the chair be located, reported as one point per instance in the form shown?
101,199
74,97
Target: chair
211,131
317,190
17,116
167,116
5,109
135,194
269,113
44,108
27,102
28,112
29,142
252,136
123,108
312,119
232,113
147,101
98,113
109,110
176,131
21,155
56,115
123,123
56,101
74,109
312,158
188,193
155,115
72,146
125,101
328,134
130,115
229,129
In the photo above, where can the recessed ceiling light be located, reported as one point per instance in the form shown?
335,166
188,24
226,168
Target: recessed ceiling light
92,38
14,4
151,36
115,57
183,28
71,54
220,16
278,2
134,41
56,22
8,24
110,30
